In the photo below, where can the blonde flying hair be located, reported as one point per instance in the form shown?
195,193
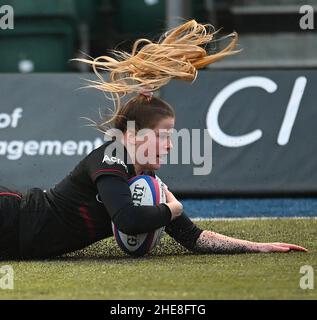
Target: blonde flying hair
178,54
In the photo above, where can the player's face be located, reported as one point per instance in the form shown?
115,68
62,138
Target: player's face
155,145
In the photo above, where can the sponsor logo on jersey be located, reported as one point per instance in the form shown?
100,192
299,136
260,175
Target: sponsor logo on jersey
111,160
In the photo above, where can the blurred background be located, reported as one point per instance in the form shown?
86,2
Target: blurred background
47,33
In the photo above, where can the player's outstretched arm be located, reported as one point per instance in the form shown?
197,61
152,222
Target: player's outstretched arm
212,242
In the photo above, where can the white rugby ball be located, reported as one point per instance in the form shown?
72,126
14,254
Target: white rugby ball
145,190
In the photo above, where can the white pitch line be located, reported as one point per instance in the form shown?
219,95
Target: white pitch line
250,218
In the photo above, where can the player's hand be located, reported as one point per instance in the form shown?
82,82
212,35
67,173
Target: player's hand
175,206
279,247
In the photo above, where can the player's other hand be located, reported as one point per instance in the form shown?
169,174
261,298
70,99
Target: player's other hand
175,206
279,247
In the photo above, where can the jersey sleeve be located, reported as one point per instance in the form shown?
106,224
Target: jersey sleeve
184,231
130,219
109,159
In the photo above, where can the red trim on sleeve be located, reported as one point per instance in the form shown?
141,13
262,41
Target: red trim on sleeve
10,194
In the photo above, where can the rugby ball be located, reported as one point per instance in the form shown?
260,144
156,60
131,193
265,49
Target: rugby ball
145,190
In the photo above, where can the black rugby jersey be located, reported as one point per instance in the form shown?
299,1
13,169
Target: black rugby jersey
78,210
76,198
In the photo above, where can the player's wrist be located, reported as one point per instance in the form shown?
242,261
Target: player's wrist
176,209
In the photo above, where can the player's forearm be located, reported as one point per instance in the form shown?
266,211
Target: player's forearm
145,218
212,242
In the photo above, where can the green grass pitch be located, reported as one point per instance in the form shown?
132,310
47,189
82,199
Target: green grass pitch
101,271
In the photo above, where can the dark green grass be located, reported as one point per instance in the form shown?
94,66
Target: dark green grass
101,271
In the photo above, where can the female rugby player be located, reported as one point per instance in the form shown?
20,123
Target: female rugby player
78,211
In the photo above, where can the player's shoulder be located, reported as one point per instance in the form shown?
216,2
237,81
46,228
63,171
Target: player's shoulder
110,152
110,158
